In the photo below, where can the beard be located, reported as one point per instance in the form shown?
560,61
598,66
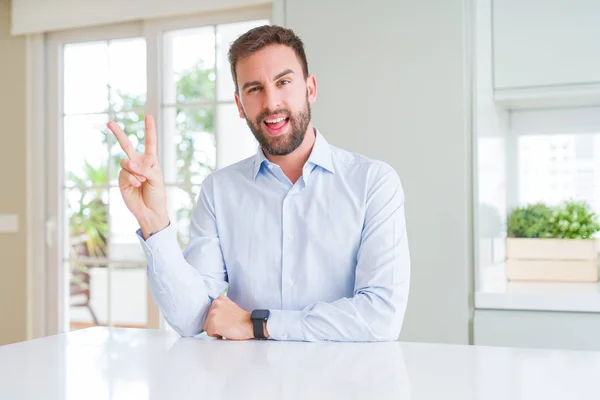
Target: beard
283,144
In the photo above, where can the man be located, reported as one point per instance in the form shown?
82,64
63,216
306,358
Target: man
308,241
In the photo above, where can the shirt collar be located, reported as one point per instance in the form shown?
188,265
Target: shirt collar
259,159
320,155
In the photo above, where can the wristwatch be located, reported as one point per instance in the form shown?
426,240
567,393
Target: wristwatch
259,317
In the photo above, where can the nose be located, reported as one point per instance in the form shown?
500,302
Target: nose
272,99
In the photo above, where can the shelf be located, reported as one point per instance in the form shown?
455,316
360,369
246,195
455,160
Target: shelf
576,95
495,292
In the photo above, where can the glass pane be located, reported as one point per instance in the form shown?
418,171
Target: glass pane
128,296
86,77
132,124
88,300
87,223
124,244
227,34
127,73
555,168
190,149
190,72
180,204
236,141
86,151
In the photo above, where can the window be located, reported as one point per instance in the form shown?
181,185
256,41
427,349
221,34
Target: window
555,168
97,263
201,125
103,80
538,155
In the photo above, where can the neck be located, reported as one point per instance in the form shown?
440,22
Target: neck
292,164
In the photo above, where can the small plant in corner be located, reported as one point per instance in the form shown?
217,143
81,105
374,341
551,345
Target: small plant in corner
531,221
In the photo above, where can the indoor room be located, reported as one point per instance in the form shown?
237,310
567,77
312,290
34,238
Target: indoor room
297,198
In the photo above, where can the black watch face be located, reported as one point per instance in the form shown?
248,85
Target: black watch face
260,314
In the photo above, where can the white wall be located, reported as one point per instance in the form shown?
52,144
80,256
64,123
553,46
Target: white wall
393,85
29,16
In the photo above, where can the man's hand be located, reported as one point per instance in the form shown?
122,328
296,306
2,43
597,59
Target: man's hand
141,181
226,319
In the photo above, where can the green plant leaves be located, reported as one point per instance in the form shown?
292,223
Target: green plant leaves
574,220
532,221
569,220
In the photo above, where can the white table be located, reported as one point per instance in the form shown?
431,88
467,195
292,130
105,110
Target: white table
101,363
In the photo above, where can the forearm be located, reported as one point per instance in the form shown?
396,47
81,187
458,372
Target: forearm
181,292
153,224
368,316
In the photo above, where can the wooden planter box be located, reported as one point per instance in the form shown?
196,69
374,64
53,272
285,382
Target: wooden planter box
552,260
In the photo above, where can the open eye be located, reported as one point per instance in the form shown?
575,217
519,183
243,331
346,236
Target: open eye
284,82
253,89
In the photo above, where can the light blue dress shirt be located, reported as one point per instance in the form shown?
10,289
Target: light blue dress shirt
328,255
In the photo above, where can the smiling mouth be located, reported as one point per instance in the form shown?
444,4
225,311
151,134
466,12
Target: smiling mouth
276,126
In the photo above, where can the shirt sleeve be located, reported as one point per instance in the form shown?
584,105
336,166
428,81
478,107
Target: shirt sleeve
184,283
376,310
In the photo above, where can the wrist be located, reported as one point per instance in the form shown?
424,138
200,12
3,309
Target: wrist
153,224
258,320
266,332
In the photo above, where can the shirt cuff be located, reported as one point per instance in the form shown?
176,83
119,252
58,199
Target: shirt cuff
285,325
160,248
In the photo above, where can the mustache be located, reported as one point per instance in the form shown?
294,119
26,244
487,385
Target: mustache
266,113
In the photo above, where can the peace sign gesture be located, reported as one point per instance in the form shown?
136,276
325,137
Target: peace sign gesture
141,182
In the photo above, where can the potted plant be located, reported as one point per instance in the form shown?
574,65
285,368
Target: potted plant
552,243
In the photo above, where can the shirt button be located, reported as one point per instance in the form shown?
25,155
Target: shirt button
290,283
158,249
290,236
283,336
270,166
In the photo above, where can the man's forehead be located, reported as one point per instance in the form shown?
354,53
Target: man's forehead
268,62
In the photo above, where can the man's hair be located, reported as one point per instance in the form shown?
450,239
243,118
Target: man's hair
260,37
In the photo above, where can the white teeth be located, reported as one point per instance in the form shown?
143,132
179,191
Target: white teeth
274,121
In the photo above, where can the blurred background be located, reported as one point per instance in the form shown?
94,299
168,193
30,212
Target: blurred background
489,110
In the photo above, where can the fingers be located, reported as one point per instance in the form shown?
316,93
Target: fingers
221,299
210,322
126,177
142,171
129,166
123,140
150,136
209,327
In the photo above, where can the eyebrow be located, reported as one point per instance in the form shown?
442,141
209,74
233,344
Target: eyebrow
279,75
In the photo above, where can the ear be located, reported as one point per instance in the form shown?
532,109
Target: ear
311,85
238,102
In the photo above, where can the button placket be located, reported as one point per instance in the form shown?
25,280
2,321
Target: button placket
284,252
287,251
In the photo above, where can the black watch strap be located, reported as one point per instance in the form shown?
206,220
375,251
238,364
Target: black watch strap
259,317
259,328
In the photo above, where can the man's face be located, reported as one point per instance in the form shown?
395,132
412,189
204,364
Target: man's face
275,98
